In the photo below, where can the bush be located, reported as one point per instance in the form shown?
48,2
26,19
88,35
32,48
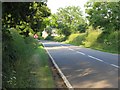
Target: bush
49,38
91,37
97,39
77,39
59,38
110,43
17,51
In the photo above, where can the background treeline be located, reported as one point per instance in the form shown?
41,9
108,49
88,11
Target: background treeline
20,21
98,28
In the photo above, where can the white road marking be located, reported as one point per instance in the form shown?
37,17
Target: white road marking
71,49
115,65
103,61
95,58
61,73
80,52
92,57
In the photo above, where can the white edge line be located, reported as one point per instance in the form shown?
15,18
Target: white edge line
62,75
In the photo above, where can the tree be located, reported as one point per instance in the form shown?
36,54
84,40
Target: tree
18,20
69,19
104,14
25,14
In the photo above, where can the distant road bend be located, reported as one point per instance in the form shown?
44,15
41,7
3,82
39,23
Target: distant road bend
84,67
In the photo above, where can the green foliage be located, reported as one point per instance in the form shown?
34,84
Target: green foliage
25,15
22,57
20,21
63,29
96,39
7,60
82,28
22,45
103,35
104,14
43,77
91,37
109,43
68,20
70,15
49,38
76,39
21,60
59,38
16,50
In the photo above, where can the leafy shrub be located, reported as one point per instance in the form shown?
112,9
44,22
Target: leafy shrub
59,38
91,37
77,39
109,43
17,50
49,38
97,39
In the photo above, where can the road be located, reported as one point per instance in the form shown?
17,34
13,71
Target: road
84,67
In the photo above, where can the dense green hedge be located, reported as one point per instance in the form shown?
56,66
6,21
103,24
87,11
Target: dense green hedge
96,39
76,39
16,53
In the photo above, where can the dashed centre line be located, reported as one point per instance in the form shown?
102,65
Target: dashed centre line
103,61
115,65
94,58
80,52
71,49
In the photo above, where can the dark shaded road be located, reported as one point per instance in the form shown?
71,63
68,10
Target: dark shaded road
83,67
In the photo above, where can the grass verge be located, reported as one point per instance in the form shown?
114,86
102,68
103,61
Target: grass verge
97,40
41,75
35,72
25,63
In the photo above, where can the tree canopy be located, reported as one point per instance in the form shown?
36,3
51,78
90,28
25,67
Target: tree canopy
68,20
104,14
19,20
72,17
27,16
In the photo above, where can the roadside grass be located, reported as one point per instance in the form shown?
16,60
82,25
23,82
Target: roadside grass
97,40
25,64
110,43
35,72
76,39
41,72
91,37
106,48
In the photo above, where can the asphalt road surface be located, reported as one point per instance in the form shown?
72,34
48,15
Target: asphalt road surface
83,67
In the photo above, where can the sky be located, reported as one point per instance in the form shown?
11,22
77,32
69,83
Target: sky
55,4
